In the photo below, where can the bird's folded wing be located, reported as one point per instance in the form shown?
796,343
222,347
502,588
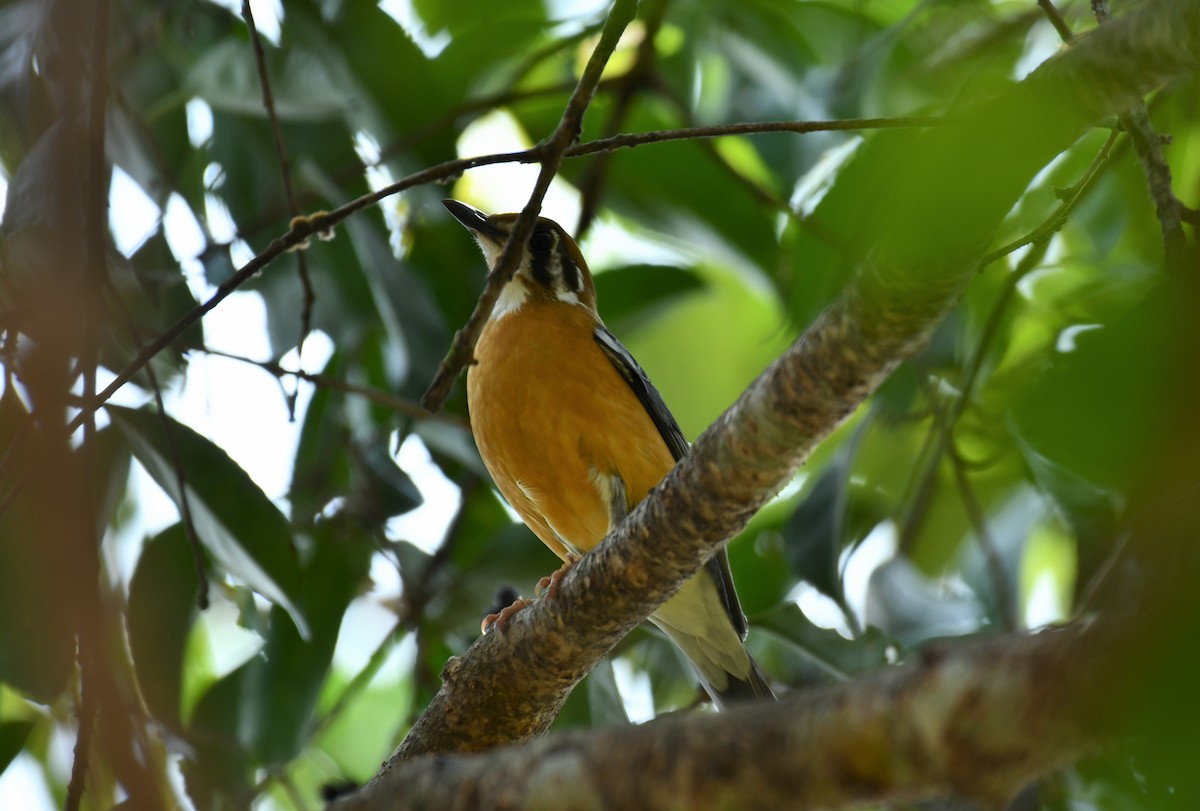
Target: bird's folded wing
652,401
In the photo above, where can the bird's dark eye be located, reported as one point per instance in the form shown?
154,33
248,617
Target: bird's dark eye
541,241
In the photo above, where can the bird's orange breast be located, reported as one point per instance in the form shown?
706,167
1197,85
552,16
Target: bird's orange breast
549,412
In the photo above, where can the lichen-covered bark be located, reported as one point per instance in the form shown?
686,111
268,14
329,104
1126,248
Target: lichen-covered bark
976,720
509,687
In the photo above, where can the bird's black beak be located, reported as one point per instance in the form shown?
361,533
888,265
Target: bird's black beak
474,220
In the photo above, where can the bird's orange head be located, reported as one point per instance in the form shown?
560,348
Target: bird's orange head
552,267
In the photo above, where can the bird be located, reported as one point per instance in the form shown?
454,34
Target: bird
574,435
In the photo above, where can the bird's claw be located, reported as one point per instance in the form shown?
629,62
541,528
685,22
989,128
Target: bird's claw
549,585
499,620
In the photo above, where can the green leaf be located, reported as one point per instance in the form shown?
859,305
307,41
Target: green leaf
1091,513
389,490
1111,384
1010,524
415,327
814,533
12,740
517,559
833,656
672,680
760,571
218,265
631,296
302,87
21,23
242,529
448,262
112,462
216,766
469,16
36,200
394,76
686,191
574,713
364,733
911,608
321,470
283,684
452,441
162,606
821,527
604,699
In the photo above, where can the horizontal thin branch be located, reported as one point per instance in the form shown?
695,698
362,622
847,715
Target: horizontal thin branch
633,139
323,222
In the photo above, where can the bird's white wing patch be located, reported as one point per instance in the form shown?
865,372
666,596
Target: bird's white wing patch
612,491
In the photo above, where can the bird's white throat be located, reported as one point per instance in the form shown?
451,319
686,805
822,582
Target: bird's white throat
511,298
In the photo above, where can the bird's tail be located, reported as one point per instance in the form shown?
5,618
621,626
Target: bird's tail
754,687
726,669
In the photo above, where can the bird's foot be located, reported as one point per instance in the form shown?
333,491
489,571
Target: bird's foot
549,585
499,620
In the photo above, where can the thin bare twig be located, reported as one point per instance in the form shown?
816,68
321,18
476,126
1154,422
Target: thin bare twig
185,501
550,155
268,98
1148,145
633,139
285,169
383,398
83,738
994,564
1056,19
1071,199
640,75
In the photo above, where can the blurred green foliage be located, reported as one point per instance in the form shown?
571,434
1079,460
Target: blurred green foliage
986,484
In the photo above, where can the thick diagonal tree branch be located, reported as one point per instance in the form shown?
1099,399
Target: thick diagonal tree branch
929,237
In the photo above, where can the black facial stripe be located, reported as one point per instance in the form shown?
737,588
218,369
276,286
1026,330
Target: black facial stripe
570,271
539,266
